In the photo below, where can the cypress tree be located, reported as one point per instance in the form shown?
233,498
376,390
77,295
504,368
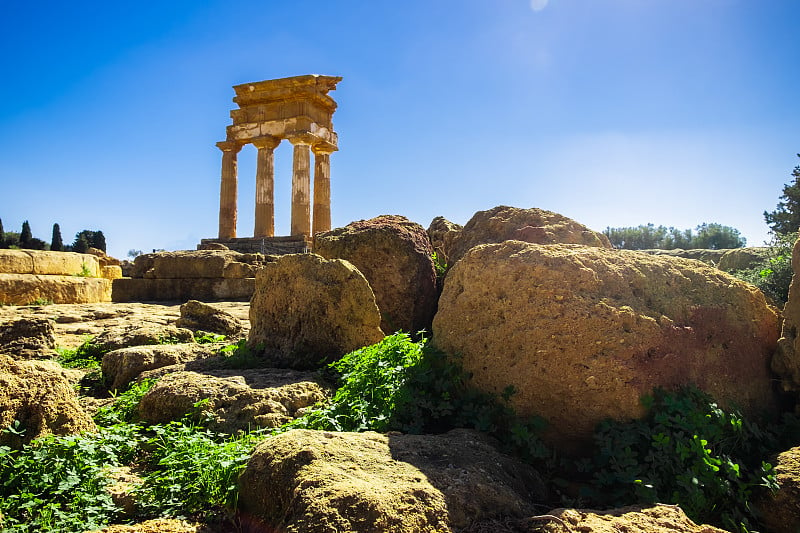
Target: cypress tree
56,244
25,236
2,235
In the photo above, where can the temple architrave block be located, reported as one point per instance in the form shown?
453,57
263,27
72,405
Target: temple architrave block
299,110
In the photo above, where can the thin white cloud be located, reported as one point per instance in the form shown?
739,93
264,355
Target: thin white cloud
538,5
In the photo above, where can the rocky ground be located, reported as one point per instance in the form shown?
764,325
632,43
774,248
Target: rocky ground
75,322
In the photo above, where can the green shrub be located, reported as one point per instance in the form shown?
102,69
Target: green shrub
399,384
689,452
774,275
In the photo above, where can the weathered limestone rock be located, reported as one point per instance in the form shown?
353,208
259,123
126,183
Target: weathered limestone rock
786,362
742,258
157,525
193,274
327,482
194,264
103,258
140,335
582,333
111,272
170,290
709,257
656,519
24,289
237,399
198,316
442,234
780,509
27,338
307,311
41,262
394,254
533,225
121,367
41,399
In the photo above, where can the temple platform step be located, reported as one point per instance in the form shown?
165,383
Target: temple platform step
295,244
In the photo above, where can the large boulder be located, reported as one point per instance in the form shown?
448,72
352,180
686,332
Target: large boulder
659,518
28,338
533,225
327,482
41,399
307,311
443,234
394,254
121,367
582,333
780,509
234,400
786,362
198,316
26,289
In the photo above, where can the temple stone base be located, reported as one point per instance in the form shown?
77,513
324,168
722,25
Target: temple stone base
204,289
296,244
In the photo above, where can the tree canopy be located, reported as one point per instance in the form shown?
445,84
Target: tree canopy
649,236
88,238
786,217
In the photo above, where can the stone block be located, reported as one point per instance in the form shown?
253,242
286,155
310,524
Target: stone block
154,290
24,289
15,262
112,272
64,263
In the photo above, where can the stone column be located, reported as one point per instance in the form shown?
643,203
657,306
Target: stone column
301,187
322,188
228,190
265,186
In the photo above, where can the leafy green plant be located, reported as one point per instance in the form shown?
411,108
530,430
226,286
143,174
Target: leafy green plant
41,301
123,409
204,337
399,384
439,264
689,452
57,483
87,355
193,470
85,272
239,355
774,275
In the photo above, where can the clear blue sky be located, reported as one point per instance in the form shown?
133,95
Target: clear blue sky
611,112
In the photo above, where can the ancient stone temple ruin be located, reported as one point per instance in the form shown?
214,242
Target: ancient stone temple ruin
299,110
